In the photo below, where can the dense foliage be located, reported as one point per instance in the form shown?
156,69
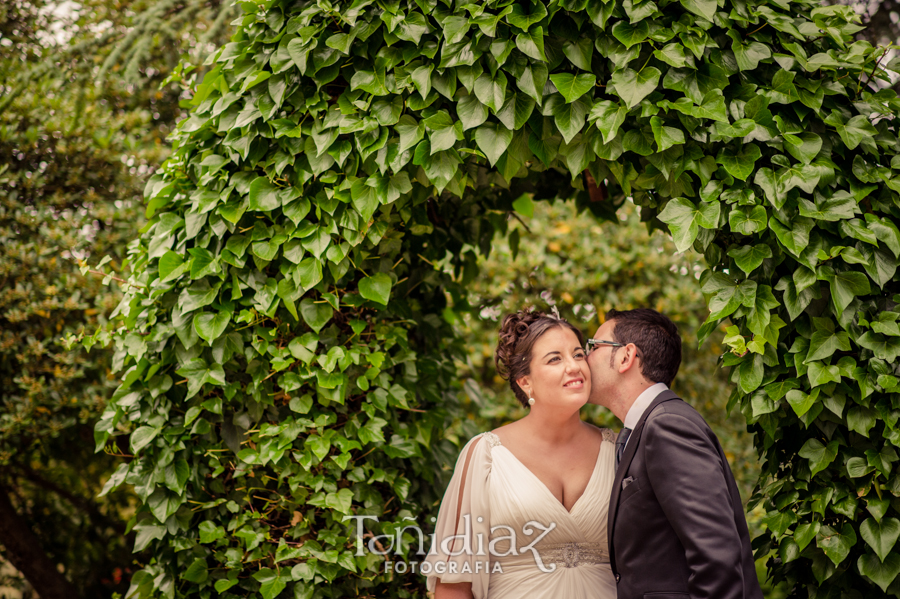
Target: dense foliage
73,161
287,346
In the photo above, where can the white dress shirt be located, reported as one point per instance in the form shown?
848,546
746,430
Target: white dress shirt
641,404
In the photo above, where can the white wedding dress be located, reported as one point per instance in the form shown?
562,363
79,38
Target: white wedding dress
513,538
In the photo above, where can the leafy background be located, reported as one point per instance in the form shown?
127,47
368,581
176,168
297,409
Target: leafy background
848,534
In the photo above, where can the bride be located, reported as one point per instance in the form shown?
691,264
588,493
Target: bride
525,513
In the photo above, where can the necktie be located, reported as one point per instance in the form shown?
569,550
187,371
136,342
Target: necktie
621,440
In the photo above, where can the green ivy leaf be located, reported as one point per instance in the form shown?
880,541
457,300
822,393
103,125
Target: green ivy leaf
749,258
411,28
853,131
340,501
881,572
731,297
569,118
631,34
211,326
800,401
421,78
825,340
836,545
455,28
748,55
820,457
263,195
493,139
198,295
532,81
804,533
685,219
861,419
197,572
171,266
572,86
809,147
411,132
444,131
779,522
881,537
516,111
750,373
845,285
580,52
796,238
740,128
665,137
672,54
838,207
471,112
633,86
316,315
608,117
376,288
142,437
747,220
210,533
884,348
271,584
701,8
198,372
524,20
491,91
532,44
740,165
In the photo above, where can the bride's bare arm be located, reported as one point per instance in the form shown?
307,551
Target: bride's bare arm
457,590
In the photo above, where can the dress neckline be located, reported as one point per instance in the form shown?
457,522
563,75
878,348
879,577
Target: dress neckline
494,441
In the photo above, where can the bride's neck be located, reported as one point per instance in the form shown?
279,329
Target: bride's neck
552,428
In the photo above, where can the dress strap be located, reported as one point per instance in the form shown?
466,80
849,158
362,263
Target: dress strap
609,435
492,439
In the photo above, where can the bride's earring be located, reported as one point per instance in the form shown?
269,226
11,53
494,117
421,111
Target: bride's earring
530,399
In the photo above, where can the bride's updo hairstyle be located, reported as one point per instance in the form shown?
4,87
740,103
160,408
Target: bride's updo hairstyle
518,334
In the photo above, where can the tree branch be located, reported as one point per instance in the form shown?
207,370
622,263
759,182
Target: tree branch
24,551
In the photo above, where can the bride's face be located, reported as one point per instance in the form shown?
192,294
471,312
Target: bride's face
559,371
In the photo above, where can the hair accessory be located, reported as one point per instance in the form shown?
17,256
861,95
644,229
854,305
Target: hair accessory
555,312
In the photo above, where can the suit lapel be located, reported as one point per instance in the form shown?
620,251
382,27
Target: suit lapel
627,457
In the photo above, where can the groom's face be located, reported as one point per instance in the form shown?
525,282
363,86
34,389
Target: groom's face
603,375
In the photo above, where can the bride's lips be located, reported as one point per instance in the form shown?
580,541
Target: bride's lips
574,383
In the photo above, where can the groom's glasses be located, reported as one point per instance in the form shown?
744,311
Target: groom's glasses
592,342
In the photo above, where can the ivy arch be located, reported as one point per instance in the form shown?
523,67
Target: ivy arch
286,338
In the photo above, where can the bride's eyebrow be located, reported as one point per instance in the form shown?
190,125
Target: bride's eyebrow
552,353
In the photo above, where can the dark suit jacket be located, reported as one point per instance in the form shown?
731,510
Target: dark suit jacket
677,530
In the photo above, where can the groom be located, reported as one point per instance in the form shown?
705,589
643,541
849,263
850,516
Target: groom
676,524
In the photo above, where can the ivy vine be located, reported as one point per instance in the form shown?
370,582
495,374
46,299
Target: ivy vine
289,339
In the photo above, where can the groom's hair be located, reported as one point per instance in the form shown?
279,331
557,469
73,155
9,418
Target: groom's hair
655,336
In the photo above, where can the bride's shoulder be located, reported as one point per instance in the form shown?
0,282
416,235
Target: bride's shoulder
487,440
608,434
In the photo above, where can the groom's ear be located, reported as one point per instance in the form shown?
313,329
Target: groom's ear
628,359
